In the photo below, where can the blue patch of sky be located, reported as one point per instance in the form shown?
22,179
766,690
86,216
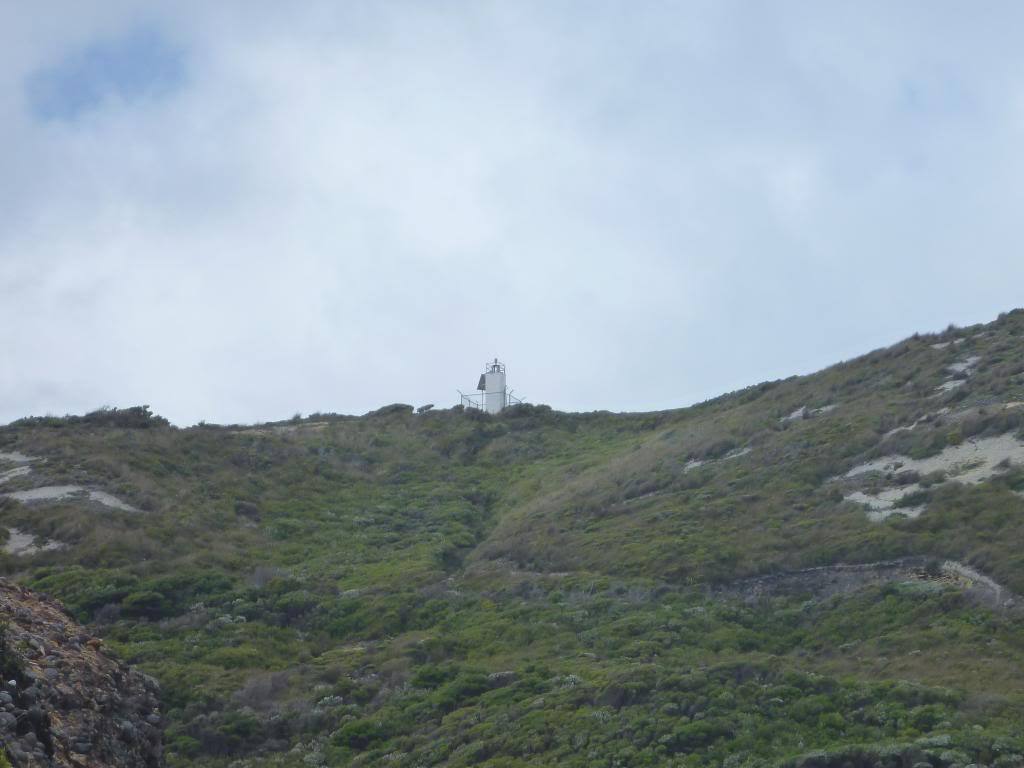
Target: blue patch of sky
139,66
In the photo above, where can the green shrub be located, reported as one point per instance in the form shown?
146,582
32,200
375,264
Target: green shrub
465,686
360,734
148,605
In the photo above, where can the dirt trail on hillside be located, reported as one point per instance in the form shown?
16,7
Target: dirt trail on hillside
829,580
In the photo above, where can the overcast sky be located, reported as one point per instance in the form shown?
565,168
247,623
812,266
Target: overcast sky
236,211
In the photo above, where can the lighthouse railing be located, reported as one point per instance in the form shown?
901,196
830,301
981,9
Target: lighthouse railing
478,402
472,401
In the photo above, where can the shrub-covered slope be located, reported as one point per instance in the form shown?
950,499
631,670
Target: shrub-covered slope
539,588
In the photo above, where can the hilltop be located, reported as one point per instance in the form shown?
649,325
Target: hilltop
822,570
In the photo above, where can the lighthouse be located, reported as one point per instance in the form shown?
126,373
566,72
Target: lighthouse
492,384
494,395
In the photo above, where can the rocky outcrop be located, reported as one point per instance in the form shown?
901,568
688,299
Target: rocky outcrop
64,701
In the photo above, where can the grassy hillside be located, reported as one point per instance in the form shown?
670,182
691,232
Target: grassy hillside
540,588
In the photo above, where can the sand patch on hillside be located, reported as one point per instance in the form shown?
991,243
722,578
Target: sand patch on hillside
10,474
53,492
959,372
16,457
882,505
22,543
966,365
798,415
971,462
803,412
46,493
734,454
109,500
953,416
64,492
923,420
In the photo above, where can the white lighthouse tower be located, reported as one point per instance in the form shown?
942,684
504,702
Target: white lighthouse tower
493,381
494,395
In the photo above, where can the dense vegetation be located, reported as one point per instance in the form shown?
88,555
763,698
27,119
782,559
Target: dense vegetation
535,588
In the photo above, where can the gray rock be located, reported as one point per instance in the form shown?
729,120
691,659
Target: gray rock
83,707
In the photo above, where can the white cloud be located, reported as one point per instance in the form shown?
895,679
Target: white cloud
345,205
